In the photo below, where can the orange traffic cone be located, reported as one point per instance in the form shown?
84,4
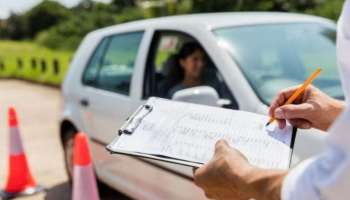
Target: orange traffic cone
20,181
84,181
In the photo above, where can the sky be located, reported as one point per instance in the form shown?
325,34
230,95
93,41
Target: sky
18,6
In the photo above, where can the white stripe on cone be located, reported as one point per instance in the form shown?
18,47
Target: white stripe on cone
84,183
16,146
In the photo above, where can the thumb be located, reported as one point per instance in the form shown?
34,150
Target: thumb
292,111
221,146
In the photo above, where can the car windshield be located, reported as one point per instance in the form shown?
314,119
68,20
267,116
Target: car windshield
276,56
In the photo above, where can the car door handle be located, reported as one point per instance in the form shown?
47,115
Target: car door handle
84,102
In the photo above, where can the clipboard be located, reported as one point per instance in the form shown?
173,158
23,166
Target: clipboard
135,120
131,125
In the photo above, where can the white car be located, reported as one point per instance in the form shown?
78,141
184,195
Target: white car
250,57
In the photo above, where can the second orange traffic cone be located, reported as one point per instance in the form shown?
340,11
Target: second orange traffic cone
20,181
84,181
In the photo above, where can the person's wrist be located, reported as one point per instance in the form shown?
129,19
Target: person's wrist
336,108
266,184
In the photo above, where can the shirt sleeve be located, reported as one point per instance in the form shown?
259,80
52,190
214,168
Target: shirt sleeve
319,178
326,176
343,48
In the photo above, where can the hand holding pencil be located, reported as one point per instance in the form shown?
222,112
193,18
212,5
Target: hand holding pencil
298,92
310,109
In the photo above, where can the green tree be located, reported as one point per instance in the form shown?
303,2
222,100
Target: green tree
329,9
213,5
45,15
68,34
122,4
16,28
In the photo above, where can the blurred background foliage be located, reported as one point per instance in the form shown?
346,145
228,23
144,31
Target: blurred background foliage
38,45
54,26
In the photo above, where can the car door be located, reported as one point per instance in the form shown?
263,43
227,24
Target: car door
107,81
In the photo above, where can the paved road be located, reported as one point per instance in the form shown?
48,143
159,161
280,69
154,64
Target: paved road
38,108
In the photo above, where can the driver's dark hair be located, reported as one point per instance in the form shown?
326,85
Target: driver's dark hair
187,49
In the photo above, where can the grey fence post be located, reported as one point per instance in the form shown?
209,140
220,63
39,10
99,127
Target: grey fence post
56,66
43,65
33,62
2,65
19,63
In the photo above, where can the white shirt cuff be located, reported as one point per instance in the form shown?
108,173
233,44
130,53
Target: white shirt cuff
297,185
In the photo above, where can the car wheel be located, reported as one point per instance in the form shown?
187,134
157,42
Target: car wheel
68,143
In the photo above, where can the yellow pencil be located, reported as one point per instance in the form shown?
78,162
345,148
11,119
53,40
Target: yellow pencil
300,90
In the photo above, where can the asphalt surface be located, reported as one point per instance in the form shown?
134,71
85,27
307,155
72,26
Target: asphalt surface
38,108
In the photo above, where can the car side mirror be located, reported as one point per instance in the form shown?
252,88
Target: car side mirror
205,95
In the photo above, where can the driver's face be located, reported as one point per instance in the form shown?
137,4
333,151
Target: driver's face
193,64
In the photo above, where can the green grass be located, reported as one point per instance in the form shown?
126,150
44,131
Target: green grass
11,51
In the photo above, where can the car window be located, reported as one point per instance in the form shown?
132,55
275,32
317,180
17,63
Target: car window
118,62
163,63
277,56
91,70
112,64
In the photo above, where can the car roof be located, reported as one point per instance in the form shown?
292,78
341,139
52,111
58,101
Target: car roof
223,19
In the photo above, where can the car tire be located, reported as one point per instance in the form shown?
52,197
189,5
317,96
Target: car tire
68,143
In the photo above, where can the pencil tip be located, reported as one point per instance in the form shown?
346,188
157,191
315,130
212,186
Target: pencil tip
268,123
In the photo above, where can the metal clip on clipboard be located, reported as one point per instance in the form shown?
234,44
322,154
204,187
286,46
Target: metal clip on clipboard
135,119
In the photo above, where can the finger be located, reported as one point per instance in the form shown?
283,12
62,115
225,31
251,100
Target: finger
198,175
209,196
307,93
281,123
293,111
221,146
281,98
275,104
273,107
240,154
300,123
199,171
